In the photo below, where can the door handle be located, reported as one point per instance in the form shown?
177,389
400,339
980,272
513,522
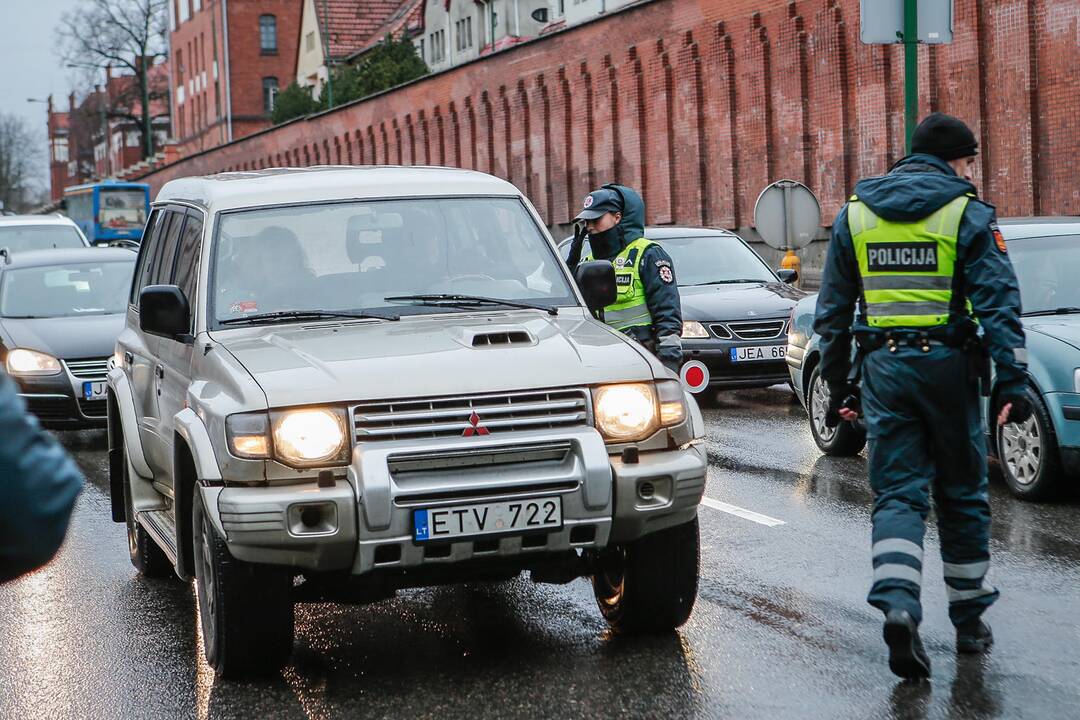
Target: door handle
160,372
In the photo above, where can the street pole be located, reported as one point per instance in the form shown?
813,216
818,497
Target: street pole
326,57
911,70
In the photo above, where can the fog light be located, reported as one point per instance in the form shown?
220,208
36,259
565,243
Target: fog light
313,519
646,491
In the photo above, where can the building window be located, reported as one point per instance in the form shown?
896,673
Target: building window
438,46
463,30
270,89
268,34
309,41
60,150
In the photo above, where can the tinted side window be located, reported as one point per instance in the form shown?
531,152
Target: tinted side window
163,263
147,249
187,259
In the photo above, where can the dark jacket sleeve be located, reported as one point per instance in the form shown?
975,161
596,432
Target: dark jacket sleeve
836,303
662,297
994,292
38,485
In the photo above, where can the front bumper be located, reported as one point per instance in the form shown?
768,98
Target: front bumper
57,402
367,515
724,373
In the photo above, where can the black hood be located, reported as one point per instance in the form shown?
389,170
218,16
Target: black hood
608,244
917,186
68,338
744,301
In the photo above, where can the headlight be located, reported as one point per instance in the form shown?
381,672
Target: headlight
31,363
694,329
672,403
625,413
1076,380
310,436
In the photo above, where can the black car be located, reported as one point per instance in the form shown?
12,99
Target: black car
735,308
60,314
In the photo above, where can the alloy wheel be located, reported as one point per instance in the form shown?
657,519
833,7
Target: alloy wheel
819,406
1021,450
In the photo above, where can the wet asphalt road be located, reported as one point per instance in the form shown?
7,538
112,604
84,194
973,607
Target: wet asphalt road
780,630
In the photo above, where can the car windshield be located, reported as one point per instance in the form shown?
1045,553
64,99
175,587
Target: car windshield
39,237
122,209
1047,268
89,288
352,256
710,259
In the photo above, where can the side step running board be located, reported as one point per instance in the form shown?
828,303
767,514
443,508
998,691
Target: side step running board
162,527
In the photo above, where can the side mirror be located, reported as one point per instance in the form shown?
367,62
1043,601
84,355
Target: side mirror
596,280
164,311
787,275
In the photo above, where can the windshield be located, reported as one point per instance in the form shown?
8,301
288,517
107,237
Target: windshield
1047,268
122,209
705,260
92,288
39,237
350,257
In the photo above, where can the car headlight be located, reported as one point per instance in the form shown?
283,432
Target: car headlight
625,413
1076,380
309,436
672,403
694,329
31,363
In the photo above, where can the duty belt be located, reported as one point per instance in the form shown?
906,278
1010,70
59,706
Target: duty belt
921,339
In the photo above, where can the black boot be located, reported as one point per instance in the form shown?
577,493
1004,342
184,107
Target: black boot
906,655
974,637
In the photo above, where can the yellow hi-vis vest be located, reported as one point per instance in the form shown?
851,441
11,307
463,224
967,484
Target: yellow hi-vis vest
630,308
906,269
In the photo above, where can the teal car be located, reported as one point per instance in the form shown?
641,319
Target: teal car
1041,456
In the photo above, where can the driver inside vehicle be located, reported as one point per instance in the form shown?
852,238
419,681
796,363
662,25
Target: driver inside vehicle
266,272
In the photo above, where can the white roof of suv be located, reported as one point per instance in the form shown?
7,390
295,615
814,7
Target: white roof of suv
36,220
277,186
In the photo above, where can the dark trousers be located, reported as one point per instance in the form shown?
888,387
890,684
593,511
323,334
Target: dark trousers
925,435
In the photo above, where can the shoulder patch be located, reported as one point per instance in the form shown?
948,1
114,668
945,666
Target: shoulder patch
666,275
999,239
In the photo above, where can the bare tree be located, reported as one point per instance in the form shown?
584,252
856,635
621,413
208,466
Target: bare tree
125,34
19,153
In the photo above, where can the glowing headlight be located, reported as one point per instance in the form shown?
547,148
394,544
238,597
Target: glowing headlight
625,413
309,436
31,362
694,329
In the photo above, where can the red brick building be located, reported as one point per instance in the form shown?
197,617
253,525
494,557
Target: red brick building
701,103
228,59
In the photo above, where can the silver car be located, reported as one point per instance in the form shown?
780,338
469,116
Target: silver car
338,382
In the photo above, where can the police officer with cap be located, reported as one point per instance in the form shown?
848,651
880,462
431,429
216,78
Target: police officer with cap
923,260
647,307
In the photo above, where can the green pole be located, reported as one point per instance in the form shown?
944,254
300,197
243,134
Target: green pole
911,69
326,56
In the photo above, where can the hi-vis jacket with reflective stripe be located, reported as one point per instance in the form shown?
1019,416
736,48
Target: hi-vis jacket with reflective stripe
906,269
630,308
977,271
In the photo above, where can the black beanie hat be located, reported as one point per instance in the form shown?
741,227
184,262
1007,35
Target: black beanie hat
945,137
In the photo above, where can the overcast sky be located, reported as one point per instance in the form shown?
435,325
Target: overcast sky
29,66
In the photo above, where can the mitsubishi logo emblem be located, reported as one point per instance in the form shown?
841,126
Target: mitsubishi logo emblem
475,428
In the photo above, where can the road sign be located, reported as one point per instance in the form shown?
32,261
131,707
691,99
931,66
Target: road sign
881,22
787,215
695,376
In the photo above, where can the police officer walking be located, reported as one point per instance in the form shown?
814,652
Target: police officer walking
923,259
647,307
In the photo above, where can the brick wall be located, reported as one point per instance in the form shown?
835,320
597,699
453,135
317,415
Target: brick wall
701,103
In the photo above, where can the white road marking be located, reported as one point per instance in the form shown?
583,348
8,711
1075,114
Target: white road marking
741,512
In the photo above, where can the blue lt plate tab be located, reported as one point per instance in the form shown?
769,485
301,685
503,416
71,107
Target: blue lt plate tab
420,520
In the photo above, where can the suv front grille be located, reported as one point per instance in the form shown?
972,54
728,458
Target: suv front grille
95,369
454,416
757,330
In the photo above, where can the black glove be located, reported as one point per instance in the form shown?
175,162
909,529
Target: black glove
846,396
574,257
1021,409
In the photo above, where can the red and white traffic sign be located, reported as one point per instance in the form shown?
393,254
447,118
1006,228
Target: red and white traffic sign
695,376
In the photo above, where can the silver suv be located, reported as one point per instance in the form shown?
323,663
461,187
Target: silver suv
334,383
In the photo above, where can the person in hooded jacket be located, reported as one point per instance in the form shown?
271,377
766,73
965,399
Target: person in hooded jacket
38,485
647,308
922,258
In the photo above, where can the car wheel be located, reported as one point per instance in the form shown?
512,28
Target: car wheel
246,610
650,585
1029,454
845,439
149,559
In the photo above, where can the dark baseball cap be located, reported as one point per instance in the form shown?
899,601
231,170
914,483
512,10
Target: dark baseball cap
600,202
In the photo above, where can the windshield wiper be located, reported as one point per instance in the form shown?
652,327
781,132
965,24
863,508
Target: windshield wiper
728,282
439,299
285,315
1055,311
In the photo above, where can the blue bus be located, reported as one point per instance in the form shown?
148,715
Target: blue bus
108,211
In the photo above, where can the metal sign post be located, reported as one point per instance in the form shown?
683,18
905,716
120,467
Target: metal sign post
911,71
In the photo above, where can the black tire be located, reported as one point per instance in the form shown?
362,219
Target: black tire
246,609
846,439
147,557
1028,453
650,585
